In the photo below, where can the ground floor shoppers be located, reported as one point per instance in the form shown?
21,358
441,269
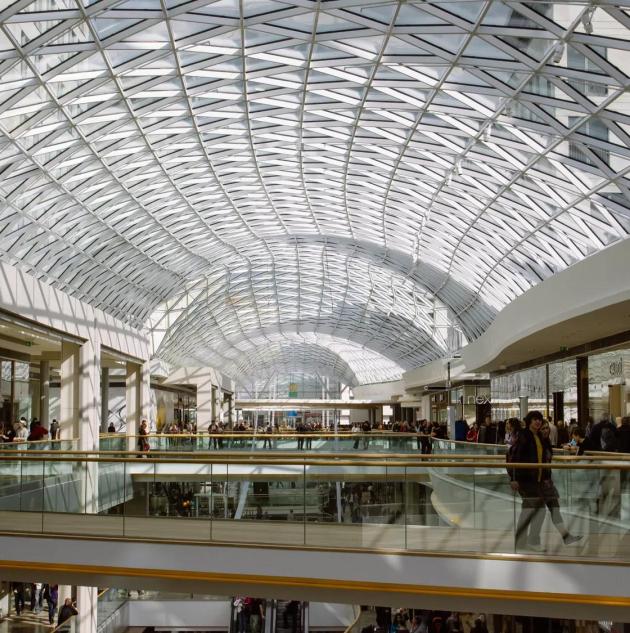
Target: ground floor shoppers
18,594
51,595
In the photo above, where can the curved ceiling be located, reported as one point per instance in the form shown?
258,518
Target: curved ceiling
286,358
349,168
309,289
290,352
315,355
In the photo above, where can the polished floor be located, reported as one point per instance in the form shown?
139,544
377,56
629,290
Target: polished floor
27,622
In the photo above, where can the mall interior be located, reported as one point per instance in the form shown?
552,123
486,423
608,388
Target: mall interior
314,316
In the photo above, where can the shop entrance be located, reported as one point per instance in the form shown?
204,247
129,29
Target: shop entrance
615,400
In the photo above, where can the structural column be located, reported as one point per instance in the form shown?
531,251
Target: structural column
87,603
230,409
523,406
44,392
582,390
69,391
89,396
138,398
104,399
133,402
205,403
89,421
213,403
80,409
218,404
547,393
145,392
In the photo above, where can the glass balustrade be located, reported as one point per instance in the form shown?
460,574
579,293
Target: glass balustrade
580,508
39,445
375,442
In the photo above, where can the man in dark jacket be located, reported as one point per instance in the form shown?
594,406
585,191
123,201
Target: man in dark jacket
18,590
529,448
603,429
66,612
623,435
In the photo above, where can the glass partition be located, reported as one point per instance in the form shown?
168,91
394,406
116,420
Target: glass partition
299,443
576,508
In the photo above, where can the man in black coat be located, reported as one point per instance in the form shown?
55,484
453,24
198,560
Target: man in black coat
529,448
623,435
66,612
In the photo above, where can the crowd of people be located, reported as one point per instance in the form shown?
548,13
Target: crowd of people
425,621
249,613
21,432
604,435
569,435
532,441
37,594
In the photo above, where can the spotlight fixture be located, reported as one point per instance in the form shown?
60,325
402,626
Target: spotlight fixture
587,20
449,178
557,52
458,166
487,133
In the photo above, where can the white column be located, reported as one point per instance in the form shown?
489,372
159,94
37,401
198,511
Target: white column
224,408
44,392
230,409
133,400
69,391
145,392
206,407
87,603
90,396
218,403
64,591
34,390
104,399
523,406
89,424
213,404
138,398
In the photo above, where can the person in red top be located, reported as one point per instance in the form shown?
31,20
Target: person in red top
38,432
473,433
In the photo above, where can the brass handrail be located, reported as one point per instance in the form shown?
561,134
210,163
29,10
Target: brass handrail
65,624
573,462
16,441
261,435
271,454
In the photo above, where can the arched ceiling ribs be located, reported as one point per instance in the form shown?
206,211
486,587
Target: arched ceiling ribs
341,168
295,358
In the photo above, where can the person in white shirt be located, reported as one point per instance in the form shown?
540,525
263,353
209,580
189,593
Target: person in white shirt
21,433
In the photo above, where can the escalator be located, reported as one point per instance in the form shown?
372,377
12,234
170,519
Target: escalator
281,616
290,616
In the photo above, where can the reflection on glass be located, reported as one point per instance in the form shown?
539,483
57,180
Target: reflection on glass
441,505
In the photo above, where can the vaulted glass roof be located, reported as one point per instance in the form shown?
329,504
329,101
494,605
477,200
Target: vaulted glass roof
252,176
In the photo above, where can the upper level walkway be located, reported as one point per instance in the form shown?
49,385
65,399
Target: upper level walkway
342,524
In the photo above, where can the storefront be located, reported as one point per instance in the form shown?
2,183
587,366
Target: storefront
16,391
470,402
572,388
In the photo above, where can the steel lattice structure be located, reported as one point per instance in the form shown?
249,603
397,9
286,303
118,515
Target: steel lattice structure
251,176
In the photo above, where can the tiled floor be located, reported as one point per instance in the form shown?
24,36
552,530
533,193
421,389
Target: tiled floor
27,622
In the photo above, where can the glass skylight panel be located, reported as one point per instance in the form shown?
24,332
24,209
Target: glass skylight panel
375,155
